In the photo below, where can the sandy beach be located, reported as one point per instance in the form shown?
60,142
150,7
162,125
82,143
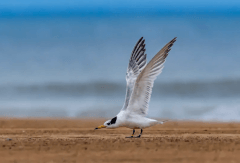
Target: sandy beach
75,140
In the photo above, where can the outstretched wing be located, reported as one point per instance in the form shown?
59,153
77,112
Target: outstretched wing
143,86
136,65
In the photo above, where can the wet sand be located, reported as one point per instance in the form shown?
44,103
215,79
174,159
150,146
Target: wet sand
75,140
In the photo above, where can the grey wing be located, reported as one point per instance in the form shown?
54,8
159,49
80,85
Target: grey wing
136,64
143,86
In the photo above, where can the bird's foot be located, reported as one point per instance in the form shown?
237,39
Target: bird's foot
134,136
130,136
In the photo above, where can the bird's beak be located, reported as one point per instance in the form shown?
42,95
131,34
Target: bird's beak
102,126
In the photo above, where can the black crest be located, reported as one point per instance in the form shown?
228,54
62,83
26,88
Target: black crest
113,121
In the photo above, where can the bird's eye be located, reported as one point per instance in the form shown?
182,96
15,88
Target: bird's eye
108,123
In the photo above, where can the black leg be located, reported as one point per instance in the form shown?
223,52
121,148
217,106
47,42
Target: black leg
140,134
132,134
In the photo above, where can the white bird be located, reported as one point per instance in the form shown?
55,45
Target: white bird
140,78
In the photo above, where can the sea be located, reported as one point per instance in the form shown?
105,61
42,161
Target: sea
74,66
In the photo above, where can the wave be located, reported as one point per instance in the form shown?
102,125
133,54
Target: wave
163,109
222,88
216,100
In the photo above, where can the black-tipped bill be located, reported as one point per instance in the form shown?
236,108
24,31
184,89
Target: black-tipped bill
102,126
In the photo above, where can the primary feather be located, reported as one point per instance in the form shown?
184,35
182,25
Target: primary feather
136,64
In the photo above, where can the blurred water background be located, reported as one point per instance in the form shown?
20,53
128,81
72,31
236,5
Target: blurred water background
71,62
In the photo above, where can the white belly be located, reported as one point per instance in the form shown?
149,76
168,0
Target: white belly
139,122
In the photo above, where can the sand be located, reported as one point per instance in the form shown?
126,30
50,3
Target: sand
75,140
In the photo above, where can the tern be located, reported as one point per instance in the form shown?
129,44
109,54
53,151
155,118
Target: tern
140,78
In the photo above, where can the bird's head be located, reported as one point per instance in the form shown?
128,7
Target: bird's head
111,123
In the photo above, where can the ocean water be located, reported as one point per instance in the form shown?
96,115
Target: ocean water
75,66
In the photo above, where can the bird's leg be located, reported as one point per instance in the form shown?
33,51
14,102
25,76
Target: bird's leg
139,134
132,134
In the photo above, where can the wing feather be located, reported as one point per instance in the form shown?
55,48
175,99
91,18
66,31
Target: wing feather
139,101
136,64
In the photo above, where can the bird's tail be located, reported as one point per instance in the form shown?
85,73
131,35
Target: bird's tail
162,122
